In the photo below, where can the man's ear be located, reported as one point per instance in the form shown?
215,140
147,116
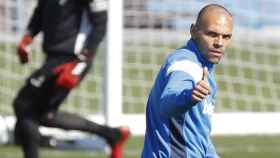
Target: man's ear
193,31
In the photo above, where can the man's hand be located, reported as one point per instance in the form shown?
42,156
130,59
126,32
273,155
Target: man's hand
21,50
202,88
68,74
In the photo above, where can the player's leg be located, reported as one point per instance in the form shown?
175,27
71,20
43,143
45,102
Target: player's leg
28,136
26,128
53,118
115,137
69,121
27,107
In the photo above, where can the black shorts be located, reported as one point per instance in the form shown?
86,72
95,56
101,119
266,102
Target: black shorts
40,95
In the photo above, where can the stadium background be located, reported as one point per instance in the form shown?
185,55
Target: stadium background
248,77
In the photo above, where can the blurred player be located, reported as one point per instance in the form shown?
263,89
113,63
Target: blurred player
72,31
183,96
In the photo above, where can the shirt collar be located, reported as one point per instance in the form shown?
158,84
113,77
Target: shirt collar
191,45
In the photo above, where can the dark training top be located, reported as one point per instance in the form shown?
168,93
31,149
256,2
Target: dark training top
69,26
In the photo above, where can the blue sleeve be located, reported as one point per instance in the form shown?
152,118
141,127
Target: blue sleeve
176,97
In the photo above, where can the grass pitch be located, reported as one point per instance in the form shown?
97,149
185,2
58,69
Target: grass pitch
227,147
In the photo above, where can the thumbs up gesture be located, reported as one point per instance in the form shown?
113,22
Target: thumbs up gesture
202,88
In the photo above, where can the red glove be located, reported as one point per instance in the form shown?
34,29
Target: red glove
69,74
21,50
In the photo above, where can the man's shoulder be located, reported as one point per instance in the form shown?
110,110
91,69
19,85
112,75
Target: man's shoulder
182,54
184,60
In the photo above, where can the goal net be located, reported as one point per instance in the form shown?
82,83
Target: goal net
248,78
140,35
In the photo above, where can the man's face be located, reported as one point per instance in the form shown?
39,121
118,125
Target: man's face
213,35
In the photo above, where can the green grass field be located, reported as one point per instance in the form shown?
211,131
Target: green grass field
227,147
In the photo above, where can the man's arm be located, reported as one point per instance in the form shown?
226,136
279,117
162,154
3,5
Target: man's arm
35,23
69,74
33,28
177,95
98,20
182,92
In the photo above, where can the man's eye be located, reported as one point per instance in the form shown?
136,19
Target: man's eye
226,36
212,34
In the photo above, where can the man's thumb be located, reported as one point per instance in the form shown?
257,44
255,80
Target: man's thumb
205,74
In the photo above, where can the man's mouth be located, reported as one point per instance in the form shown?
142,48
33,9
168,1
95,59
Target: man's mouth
215,53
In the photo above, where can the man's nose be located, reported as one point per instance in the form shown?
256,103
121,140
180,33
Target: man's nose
218,43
